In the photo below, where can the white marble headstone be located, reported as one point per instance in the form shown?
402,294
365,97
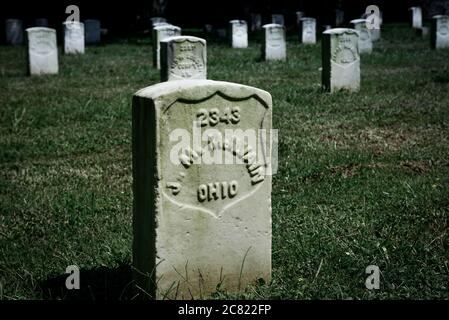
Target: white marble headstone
182,58
307,31
416,17
42,51
160,33
341,60
440,32
73,37
274,47
365,42
239,33
92,30
14,31
198,220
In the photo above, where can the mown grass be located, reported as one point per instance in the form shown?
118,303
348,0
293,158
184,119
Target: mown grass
363,177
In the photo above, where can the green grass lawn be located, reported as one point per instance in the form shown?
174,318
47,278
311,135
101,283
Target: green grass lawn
363,178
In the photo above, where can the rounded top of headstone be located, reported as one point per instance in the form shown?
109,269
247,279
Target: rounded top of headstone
238,21
174,90
272,25
440,16
180,39
40,29
167,27
72,23
158,24
340,31
307,19
357,21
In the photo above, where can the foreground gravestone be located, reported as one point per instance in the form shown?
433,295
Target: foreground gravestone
277,19
199,223
365,43
416,19
341,60
42,51
239,33
14,31
73,37
160,33
92,28
440,32
307,31
183,57
274,47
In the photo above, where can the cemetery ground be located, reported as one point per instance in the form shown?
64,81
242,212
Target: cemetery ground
363,178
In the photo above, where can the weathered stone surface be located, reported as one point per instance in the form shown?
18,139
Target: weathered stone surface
92,30
183,57
440,32
416,19
73,37
277,19
197,223
307,31
365,43
42,51
238,33
274,47
341,60
14,31
160,33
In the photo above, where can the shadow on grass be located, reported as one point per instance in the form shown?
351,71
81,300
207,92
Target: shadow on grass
95,284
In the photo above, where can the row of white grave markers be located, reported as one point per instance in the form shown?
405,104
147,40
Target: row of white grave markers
91,30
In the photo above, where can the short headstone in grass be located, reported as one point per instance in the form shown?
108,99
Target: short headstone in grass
42,51
341,60
416,18
14,31
239,33
365,43
202,200
256,21
160,33
307,31
422,32
183,57
274,47
41,22
299,16
92,28
440,32
278,19
73,37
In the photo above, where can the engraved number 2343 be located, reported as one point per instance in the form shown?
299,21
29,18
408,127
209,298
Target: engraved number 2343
213,116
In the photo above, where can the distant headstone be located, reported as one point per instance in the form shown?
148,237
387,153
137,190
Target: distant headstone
41,22
208,28
365,42
200,221
307,31
160,33
339,17
299,16
155,20
440,32
183,57
14,31
278,19
256,21
341,60
239,33
221,33
42,51
274,47
422,32
158,24
73,37
416,17
92,31
326,27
